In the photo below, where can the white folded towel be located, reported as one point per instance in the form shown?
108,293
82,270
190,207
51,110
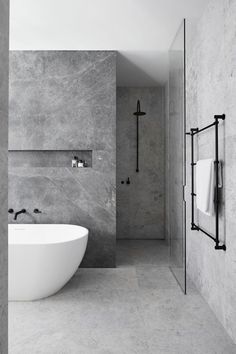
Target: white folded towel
205,185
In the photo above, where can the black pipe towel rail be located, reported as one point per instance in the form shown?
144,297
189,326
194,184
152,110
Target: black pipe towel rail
194,131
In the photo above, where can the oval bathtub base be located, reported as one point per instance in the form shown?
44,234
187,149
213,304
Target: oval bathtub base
43,258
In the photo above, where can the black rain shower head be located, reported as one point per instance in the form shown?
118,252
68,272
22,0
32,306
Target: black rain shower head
138,113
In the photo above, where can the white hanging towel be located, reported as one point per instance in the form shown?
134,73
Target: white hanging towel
205,185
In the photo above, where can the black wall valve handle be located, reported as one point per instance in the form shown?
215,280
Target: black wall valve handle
127,181
37,211
10,211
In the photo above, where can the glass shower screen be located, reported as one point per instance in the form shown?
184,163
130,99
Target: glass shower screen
177,157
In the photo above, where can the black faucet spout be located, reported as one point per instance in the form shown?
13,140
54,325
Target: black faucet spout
22,211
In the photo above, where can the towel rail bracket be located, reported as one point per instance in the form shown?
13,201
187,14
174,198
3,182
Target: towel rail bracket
194,131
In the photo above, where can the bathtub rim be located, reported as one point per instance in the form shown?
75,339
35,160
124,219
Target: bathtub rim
29,240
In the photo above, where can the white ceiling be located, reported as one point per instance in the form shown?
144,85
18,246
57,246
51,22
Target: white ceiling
140,30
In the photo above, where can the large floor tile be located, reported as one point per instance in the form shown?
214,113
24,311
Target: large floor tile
151,277
142,253
179,323
134,309
105,278
106,321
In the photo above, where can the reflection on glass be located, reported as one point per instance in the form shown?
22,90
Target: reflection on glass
177,156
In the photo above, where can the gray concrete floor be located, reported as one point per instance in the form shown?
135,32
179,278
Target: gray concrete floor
136,308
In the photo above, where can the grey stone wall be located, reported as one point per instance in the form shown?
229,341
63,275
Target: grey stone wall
167,166
211,89
66,100
140,205
4,39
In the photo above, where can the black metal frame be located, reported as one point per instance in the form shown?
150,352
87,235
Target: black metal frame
194,131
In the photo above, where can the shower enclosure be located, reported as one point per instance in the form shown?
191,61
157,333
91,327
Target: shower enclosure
177,157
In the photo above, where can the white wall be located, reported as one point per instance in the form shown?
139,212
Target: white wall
140,30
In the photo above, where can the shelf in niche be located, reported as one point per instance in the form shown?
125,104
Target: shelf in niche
47,158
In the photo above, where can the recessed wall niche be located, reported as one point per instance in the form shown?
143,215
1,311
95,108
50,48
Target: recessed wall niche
63,104
48,158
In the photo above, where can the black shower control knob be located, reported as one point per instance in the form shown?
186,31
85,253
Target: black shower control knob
122,182
10,211
37,211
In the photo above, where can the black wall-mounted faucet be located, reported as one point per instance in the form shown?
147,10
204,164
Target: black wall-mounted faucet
22,211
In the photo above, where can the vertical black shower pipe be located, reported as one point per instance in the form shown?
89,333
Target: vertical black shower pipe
137,152
138,113
137,138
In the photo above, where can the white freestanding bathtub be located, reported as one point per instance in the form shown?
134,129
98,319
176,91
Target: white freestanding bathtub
42,258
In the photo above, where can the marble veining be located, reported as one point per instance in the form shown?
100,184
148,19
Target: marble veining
66,100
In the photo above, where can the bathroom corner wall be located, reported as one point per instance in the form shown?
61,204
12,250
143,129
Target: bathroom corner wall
211,89
4,40
65,100
141,204
167,165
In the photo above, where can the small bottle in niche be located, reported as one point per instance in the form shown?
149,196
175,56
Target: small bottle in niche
74,161
80,163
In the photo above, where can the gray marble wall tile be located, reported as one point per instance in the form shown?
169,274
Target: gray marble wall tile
4,59
211,87
66,100
61,99
140,205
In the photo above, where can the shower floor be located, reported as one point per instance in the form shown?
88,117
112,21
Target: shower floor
139,253
136,308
